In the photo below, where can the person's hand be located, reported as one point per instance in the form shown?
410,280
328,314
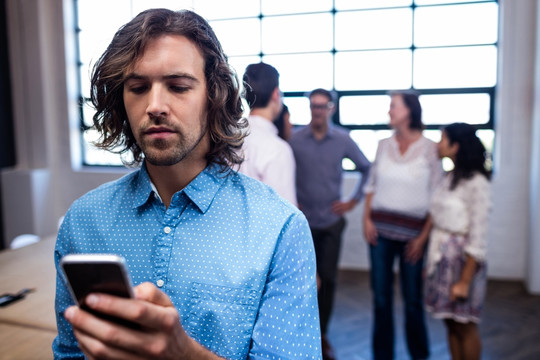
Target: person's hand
370,232
341,207
414,250
161,335
459,291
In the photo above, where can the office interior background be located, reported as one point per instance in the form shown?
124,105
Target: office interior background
48,46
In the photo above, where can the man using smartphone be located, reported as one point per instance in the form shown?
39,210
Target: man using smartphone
222,266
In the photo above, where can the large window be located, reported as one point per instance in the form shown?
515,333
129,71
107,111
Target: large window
361,49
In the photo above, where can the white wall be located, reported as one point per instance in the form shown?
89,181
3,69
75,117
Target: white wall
533,271
44,183
510,231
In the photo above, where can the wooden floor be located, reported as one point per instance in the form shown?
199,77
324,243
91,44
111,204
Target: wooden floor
510,327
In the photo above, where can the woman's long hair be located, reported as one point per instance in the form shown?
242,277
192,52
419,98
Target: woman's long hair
471,156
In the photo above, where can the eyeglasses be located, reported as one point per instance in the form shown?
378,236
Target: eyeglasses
321,106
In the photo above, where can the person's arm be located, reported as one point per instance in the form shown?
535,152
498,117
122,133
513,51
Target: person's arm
287,325
370,232
479,204
363,165
342,207
460,290
64,345
478,201
415,248
435,166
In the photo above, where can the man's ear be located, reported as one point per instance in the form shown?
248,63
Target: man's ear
276,95
275,101
332,109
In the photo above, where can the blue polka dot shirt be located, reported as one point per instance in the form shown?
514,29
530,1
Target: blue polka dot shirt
236,260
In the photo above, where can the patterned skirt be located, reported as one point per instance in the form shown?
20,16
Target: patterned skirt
447,272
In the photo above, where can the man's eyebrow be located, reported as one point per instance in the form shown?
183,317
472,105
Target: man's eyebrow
135,76
182,76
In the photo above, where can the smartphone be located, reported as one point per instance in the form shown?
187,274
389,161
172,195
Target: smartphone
97,273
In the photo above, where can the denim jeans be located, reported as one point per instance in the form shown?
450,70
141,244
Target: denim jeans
382,258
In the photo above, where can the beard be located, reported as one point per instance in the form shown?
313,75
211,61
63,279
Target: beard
171,151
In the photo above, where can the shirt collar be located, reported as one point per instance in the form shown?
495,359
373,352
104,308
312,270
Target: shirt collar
142,187
201,190
329,133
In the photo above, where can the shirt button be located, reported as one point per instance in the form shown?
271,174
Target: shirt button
160,283
167,229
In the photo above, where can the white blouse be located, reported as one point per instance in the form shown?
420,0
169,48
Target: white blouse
462,211
403,183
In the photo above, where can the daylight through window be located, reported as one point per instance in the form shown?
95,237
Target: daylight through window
361,49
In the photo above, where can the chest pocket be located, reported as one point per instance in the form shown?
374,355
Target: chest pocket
221,318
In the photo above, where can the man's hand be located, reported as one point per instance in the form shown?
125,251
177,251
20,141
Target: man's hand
161,335
341,207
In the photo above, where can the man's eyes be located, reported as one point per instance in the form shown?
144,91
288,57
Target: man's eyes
179,88
140,89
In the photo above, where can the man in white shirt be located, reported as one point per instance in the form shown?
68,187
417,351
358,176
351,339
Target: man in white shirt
268,158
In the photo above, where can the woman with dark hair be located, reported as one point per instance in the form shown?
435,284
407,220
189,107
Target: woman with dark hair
283,124
456,269
396,223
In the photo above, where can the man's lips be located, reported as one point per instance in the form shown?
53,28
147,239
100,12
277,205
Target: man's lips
158,132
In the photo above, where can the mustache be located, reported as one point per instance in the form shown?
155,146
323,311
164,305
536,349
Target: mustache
157,119
157,123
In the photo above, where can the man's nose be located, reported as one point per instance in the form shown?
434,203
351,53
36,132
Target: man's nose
157,101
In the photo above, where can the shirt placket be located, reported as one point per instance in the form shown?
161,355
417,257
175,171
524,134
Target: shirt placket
166,238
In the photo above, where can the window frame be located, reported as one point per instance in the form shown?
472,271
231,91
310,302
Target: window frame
490,90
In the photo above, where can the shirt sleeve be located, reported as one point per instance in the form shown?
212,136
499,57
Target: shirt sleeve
287,324
280,173
362,165
65,344
479,205
369,186
435,166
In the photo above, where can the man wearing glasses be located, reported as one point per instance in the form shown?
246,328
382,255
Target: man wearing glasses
319,150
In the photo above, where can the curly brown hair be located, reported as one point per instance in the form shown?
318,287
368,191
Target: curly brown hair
225,122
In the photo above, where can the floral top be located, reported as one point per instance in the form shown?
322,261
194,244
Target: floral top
462,211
